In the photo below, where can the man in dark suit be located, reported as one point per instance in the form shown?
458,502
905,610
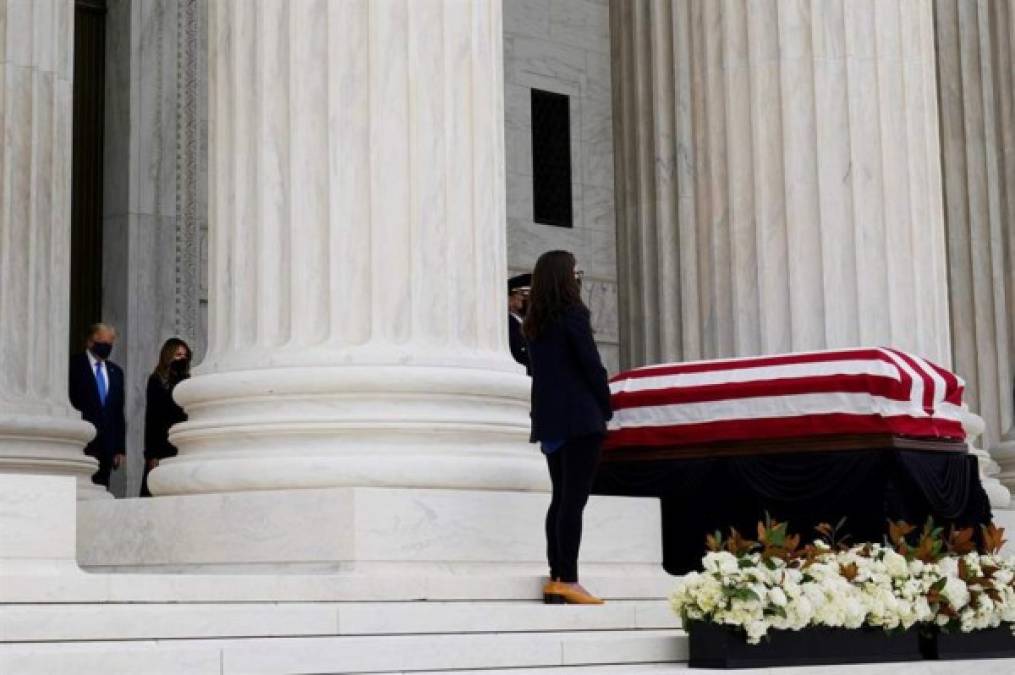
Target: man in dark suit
518,297
96,389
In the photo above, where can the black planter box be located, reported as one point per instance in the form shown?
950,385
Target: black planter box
993,643
719,646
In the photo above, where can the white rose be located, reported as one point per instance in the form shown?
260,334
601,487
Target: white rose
955,592
948,567
721,562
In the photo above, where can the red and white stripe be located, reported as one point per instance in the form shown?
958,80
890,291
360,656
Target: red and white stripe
849,391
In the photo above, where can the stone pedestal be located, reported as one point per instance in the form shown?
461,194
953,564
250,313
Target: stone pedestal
357,255
372,534
37,527
39,431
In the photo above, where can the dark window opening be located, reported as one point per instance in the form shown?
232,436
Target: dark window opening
551,159
86,168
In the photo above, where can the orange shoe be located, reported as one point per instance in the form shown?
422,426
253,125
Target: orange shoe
550,594
559,592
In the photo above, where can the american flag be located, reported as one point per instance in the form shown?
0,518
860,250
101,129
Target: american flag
848,391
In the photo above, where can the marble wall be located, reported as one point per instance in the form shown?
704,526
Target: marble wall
155,193
563,46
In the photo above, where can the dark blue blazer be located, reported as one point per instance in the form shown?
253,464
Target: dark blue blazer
570,393
110,426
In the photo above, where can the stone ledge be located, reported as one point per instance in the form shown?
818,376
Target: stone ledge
353,529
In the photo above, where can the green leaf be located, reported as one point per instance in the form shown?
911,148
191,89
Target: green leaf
775,611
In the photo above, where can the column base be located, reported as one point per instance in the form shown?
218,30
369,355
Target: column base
38,445
413,425
1004,454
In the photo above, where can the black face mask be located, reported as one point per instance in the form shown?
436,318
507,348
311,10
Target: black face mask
179,367
101,349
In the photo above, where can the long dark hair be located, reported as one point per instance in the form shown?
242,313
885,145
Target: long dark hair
554,290
166,357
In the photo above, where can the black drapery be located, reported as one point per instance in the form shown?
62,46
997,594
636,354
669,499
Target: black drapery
868,487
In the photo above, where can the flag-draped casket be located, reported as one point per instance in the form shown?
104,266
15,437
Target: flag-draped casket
848,391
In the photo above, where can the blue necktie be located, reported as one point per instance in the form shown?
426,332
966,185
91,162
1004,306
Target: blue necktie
101,382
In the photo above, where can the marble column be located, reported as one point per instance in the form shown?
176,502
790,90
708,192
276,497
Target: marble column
779,180
974,64
39,431
357,255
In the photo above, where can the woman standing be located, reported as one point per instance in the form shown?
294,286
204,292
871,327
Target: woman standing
570,408
161,411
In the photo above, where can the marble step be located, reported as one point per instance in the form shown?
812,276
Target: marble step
362,654
63,582
982,667
81,622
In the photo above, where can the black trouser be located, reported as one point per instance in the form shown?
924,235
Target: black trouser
572,470
145,492
101,477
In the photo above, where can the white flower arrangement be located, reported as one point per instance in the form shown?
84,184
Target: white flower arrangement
774,585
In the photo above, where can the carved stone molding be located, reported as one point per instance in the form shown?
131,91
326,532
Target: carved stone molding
188,154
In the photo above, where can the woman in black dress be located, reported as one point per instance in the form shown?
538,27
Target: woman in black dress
570,408
161,411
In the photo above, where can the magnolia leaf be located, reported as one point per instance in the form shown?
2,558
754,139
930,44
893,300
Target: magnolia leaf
993,538
849,572
898,531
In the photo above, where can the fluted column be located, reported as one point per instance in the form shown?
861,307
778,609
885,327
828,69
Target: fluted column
1003,24
974,42
779,184
357,254
977,66
39,431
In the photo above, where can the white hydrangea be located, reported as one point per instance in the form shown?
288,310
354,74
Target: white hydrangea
895,564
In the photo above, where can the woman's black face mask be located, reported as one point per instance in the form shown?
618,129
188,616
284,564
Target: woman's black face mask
179,367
